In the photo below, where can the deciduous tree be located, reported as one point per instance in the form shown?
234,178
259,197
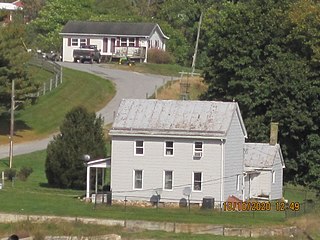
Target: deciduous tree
261,57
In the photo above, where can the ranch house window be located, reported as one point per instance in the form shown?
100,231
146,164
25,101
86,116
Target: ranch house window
138,179
168,151
123,42
74,42
83,41
131,42
197,181
198,149
139,150
168,180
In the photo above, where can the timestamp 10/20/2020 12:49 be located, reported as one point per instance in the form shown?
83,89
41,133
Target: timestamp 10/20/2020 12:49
261,206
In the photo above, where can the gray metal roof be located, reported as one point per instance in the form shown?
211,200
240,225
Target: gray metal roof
110,28
174,117
261,155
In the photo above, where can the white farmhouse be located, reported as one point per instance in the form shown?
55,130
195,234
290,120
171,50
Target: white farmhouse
167,146
113,39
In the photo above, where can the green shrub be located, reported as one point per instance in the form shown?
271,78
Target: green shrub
24,173
10,173
159,56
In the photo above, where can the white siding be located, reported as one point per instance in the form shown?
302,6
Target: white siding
67,53
155,37
233,161
276,188
154,163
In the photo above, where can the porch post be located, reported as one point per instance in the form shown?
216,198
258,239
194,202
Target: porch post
88,183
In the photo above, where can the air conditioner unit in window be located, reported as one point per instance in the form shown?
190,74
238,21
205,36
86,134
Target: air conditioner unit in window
197,154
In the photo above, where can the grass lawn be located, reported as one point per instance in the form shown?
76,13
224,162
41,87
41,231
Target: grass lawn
158,69
44,117
35,197
38,74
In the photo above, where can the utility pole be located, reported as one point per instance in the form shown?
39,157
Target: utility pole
11,125
196,47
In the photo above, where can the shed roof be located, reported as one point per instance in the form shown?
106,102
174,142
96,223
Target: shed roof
261,155
110,28
174,117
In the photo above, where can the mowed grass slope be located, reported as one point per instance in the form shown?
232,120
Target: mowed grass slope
45,117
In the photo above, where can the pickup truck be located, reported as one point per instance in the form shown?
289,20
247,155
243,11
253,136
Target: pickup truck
86,54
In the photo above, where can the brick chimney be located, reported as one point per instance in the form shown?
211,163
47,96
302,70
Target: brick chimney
274,133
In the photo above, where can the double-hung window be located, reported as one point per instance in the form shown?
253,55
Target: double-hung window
198,149
74,42
83,41
131,42
168,180
139,147
138,179
123,42
197,181
168,148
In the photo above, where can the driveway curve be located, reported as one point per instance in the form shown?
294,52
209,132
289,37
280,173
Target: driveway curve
128,85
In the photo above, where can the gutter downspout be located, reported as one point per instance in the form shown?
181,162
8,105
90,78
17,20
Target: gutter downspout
222,173
243,186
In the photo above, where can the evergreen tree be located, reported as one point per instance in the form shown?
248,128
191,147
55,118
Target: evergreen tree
13,66
81,133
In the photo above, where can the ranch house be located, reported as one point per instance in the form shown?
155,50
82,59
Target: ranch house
114,39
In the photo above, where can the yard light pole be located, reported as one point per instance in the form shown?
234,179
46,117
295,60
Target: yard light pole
86,159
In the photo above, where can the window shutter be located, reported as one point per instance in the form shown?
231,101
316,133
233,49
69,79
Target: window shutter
105,45
69,41
137,42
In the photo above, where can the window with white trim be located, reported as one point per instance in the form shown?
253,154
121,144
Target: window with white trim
198,149
123,42
74,42
139,147
238,183
197,181
168,150
273,177
168,180
138,179
83,41
131,42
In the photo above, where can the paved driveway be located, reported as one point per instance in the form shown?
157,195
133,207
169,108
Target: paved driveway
128,85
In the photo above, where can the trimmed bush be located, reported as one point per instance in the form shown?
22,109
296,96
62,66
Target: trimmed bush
24,173
159,56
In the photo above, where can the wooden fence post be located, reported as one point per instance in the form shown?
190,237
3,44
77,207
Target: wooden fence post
44,88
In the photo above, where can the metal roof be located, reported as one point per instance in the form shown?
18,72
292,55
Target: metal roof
110,28
174,117
261,155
